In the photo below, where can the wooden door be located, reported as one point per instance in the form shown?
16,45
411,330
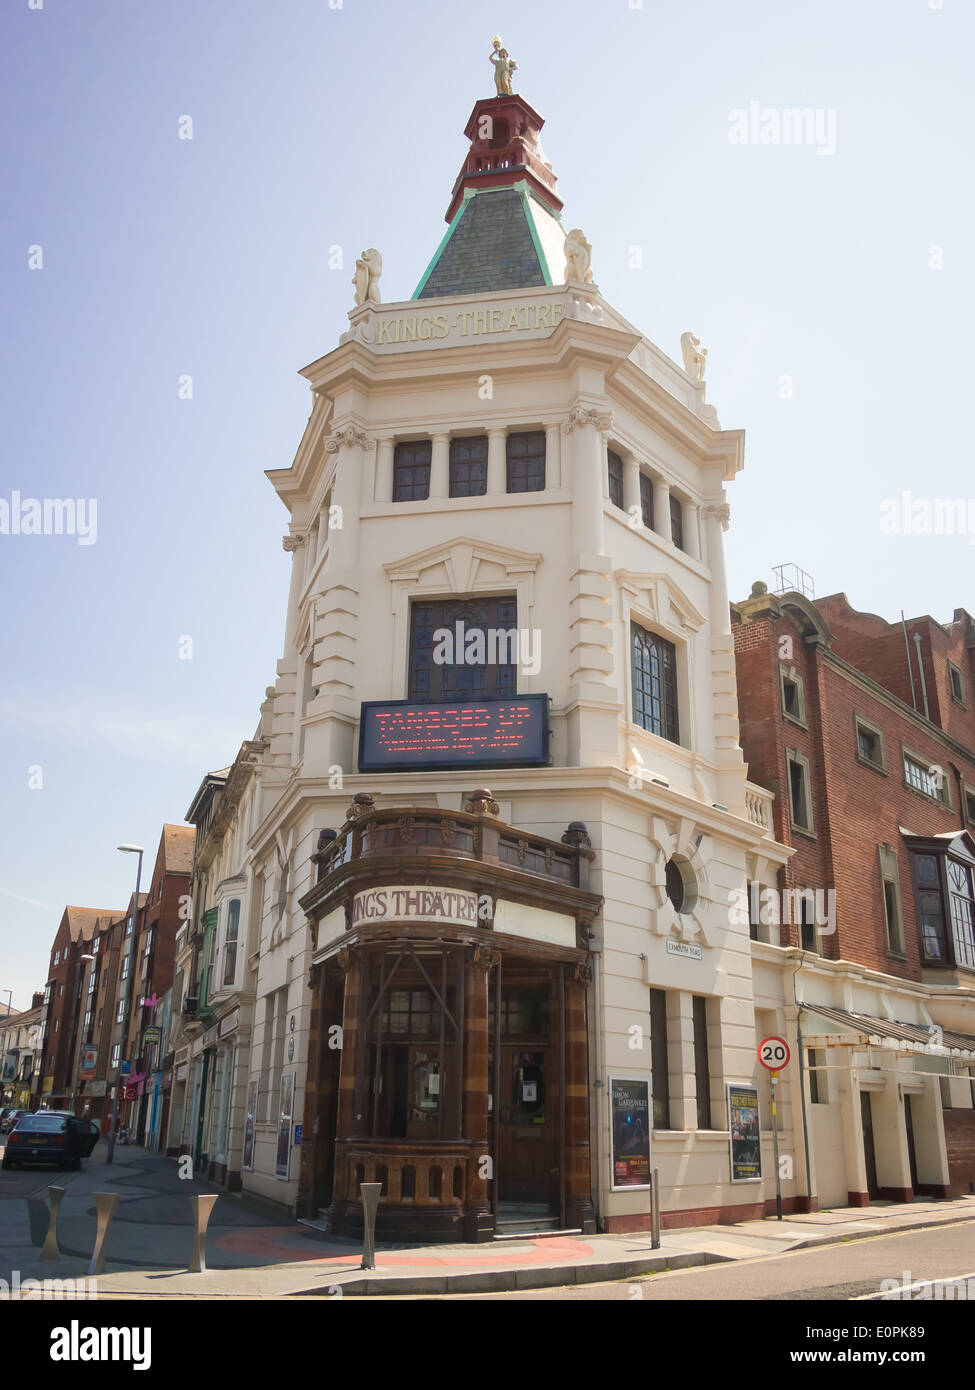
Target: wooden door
527,1127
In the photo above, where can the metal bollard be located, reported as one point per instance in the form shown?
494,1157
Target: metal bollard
655,1210
202,1207
370,1205
105,1204
50,1249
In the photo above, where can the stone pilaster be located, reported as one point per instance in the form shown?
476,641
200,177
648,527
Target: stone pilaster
478,1220
661,509
578,1200
724,690
497,467
439,465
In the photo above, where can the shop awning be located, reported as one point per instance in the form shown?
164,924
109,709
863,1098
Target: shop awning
880,1032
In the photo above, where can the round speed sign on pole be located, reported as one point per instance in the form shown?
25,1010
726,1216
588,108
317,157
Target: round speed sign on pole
774,1053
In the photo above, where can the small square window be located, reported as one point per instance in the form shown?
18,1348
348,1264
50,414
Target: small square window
411,471
791,698
793,693
930,780
468,466
870,745
526,462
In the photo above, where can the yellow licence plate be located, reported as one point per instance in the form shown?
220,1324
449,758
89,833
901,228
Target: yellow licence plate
37,1140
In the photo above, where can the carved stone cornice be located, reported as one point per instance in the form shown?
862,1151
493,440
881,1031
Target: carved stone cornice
720,512
483,958
580,416
349,438
292,543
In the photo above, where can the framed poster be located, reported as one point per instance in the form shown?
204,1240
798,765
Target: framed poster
746,1136
285,1110
249,1117
629,1100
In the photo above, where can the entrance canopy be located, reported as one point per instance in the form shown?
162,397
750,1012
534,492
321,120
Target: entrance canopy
864,1030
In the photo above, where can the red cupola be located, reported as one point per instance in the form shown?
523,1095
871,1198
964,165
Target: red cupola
505,150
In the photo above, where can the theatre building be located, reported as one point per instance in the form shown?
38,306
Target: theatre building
502,806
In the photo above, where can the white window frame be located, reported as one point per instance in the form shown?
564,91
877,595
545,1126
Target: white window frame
919,761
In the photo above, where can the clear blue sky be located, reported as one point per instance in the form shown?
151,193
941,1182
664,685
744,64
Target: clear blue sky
315,126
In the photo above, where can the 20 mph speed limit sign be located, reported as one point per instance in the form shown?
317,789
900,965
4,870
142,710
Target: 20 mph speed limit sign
774,1053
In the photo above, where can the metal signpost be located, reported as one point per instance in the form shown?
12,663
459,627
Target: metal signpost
774,1053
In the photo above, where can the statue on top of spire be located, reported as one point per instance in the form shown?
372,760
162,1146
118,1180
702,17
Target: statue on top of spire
503,68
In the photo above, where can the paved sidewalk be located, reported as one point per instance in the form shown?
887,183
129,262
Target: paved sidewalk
254,1256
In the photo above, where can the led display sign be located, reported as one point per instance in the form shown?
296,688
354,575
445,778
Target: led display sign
401,734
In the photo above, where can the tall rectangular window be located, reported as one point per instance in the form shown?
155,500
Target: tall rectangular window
468,466
654,666
411,471
646,500
754,909
658,1059
614,469
446,639
526,462
800,802
890,884
230,947
677,521
817,1088
702,1070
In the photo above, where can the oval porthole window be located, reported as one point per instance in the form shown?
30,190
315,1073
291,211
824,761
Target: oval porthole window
681,885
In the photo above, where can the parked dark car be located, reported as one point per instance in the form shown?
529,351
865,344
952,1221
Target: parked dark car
10,1119
49,1138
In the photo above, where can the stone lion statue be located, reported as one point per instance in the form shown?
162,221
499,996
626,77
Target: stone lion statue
368,268
695,357
577,254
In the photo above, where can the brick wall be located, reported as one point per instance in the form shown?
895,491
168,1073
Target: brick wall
855,807
960,1144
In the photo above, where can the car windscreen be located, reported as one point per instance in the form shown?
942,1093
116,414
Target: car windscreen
50,1124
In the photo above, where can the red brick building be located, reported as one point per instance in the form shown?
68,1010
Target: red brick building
864,730
64,1001
162,915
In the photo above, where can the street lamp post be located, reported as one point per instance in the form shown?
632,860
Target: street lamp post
113,1117
6,1043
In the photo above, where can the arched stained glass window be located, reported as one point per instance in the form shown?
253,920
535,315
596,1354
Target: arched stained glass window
654,663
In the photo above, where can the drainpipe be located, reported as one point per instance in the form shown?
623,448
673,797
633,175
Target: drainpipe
920,667
802,1085
910,669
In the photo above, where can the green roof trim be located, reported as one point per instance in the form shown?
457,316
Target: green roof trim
468,194
530,219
